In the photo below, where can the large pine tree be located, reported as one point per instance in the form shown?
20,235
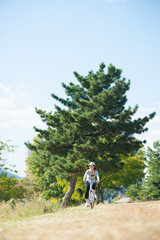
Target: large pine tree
93,122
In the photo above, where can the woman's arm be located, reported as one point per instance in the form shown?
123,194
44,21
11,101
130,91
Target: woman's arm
97,175
85,176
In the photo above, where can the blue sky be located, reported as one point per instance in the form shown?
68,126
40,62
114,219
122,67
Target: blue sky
43,42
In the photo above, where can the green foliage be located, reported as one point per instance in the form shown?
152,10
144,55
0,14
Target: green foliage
40,166
9,188
151,188
133,170
131,173
78,195
5,147
137,191
93,125
153,166
133,190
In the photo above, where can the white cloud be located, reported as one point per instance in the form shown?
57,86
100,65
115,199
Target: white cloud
156,132
16,109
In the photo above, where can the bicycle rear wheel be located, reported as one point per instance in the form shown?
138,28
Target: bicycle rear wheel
91,204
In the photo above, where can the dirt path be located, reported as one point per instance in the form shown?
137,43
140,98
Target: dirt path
125,221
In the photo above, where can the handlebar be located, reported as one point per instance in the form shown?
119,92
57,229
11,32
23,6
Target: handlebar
91,181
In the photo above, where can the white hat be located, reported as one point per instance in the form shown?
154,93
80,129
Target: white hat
91,164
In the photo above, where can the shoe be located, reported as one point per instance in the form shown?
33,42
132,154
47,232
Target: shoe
86,204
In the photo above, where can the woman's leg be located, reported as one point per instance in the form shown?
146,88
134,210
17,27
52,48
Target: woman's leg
94,187
87,191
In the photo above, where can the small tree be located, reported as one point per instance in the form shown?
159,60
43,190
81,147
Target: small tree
94,122
5,147
131,173
10,188
153,178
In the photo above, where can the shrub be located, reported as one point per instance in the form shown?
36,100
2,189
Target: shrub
134,190
10,188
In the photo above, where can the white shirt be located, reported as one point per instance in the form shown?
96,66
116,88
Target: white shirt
89,177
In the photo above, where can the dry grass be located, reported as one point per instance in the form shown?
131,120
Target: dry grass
21,211
126,221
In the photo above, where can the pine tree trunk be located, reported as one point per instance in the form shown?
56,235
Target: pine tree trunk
69,193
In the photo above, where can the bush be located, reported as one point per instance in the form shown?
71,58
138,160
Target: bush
10,188
153,187
136,191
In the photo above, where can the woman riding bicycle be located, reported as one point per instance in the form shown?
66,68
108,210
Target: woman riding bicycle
90,175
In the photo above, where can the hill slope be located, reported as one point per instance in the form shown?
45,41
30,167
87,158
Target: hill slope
139,221
9,174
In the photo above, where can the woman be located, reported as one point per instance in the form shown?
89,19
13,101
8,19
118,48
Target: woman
90,175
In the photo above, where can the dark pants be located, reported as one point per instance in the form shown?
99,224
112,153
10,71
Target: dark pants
87,189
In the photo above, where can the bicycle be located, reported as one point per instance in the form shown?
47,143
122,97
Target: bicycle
91,195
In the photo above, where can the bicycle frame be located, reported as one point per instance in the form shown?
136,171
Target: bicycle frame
91,195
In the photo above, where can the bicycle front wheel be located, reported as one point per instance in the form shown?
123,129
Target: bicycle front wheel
91,205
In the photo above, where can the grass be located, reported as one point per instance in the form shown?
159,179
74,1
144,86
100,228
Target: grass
20,211
124,221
